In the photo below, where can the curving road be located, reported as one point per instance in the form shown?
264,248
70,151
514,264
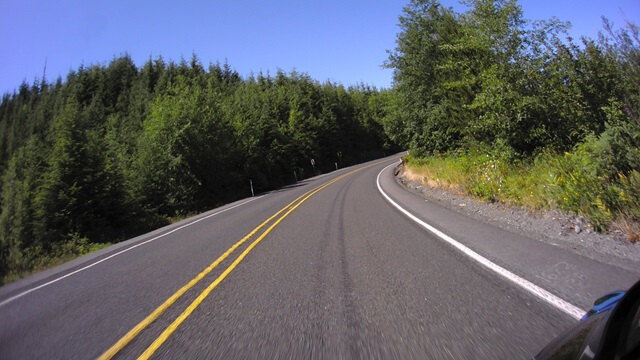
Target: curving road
338,273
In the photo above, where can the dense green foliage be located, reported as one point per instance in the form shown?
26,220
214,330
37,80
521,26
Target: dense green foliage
490,82
512,110
567,181
116,150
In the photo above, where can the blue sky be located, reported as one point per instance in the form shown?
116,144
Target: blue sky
344,41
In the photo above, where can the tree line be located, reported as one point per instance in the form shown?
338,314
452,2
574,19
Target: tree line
487,80
116,150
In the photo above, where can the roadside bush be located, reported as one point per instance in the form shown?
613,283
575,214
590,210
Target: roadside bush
581,187
39,257
576,182
587,185
629,221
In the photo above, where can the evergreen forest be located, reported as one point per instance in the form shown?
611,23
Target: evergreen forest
114,150
524,112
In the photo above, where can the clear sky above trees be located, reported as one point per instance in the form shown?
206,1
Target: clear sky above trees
343,41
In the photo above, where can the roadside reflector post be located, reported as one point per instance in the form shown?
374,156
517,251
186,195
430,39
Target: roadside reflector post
251,184
336,166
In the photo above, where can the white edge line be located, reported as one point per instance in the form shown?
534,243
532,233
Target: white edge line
121,252
543,294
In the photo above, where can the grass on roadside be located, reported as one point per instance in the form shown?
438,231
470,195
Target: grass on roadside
36,259
573,182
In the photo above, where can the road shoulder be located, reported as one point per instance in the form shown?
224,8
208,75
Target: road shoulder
567,274
553,227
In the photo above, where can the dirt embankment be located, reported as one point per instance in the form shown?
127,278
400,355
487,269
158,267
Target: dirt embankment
554,227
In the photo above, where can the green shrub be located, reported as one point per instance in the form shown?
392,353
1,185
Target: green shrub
37,258
585,185
576,182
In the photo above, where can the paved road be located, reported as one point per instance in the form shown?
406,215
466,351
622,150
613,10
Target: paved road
343,275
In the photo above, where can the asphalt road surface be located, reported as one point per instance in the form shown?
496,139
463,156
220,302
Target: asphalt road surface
339,273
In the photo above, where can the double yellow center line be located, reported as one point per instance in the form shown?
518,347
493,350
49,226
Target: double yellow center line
171,300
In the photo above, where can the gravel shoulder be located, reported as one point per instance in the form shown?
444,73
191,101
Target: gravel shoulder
554,227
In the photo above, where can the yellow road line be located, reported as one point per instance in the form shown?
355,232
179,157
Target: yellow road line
127,338
180,319
170,301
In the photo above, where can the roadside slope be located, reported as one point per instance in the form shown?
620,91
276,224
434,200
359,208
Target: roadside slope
567,274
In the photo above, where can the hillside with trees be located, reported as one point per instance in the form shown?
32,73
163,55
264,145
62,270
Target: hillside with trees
516,111
490,103
115,150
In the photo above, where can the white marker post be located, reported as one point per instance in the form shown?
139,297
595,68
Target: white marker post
251,184
313,163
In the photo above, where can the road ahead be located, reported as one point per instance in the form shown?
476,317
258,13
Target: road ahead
339,273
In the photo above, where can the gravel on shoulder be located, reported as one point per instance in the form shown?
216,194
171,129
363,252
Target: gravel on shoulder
554,227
